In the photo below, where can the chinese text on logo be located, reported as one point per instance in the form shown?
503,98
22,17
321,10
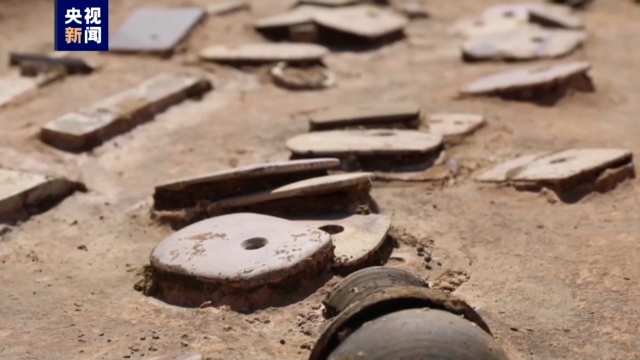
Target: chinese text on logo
82,25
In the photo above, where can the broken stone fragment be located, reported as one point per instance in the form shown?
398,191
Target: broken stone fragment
93,125
71,65
358,239
523,44
372,115
315,77
264,53
539,83
227,7
155,30
238,255
382,149
21,193
363,21
412,10
570,174
245,180
329,3
454,127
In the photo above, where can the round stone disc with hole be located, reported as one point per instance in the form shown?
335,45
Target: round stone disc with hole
258,52
356,237
364,115
364,142
452,125
309,187
523,44
566,164
244,249
525,77
254,171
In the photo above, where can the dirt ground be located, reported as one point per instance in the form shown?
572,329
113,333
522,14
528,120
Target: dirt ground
553,281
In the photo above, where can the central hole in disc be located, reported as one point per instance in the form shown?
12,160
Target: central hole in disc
254,243
332,229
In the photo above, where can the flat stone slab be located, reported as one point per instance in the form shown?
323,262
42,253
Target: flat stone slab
454,127
155,29
243,250
363,21
477,26
525,77
267,52
19,190
189,355
555,17
309,187
357,238
227,7
329,3
238,181
373,115
518,11
91,126
364,142
504,171
565,165
71,65
303,14
523,44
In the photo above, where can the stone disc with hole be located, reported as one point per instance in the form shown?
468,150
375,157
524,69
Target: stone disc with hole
364,142
272,52
525,77
523,44
300,15
503,172
243,250
238,181
155,29
366,115
362,20
472,27
309,187
568,164
452,126
356,238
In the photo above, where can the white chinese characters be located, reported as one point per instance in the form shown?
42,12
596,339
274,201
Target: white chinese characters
92,28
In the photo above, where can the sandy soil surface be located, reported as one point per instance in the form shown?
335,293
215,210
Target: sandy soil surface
553,281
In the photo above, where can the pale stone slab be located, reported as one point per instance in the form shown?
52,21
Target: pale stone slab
362,20
190,355
309,187
554,17
454,126
525,77
504,171
267,52
356,237
366,115
227,7
254,171
473,27
15,88
19,190
303,14
243,248
155,29
364,142
523,44
567,164
518,11
330,3
91,126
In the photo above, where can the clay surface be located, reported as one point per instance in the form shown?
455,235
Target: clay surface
264,52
